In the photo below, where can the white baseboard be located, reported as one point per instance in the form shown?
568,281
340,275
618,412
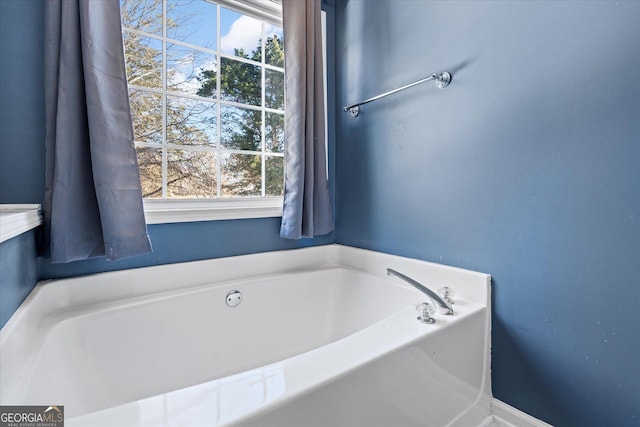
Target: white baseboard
509,416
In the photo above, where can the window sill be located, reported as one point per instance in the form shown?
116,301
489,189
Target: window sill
191,210
18,219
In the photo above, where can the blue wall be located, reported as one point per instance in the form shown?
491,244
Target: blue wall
21,142
21,102
18,272
527,167
191,241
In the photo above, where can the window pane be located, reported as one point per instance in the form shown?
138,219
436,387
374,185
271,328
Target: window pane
186,138
274,132
274,47
150,163
192,21
191,122
240,82
240,128
146,111
274,176
144,60
191,174
241,175
274,89
191,71
142,15
240,35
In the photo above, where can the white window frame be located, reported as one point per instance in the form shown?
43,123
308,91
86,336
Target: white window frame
162,211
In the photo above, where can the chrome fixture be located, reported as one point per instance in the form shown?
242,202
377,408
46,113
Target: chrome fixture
442,306
447,294
234,298
442,80
427,311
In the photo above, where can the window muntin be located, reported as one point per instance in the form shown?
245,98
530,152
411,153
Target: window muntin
207,98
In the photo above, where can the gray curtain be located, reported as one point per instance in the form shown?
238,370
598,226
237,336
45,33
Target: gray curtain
307,208
93,199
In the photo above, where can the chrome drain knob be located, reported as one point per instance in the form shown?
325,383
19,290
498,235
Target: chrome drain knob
234,298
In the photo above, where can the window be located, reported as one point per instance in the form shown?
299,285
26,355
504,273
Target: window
206,89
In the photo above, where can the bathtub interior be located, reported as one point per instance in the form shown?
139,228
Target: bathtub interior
138,347
148,344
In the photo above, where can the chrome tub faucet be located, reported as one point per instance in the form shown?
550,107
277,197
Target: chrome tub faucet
442,306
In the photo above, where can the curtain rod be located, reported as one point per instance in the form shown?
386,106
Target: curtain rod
442,80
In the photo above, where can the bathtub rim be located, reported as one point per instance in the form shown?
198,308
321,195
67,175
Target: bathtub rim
60,294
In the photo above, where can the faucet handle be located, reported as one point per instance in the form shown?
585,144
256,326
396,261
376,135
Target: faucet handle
447,294
427,311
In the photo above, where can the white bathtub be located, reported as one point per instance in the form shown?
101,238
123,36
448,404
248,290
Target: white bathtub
322,337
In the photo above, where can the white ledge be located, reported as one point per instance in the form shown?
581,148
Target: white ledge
18,219
190,210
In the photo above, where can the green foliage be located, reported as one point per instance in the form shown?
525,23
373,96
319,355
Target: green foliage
241,82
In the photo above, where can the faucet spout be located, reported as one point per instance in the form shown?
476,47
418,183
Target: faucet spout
442,306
